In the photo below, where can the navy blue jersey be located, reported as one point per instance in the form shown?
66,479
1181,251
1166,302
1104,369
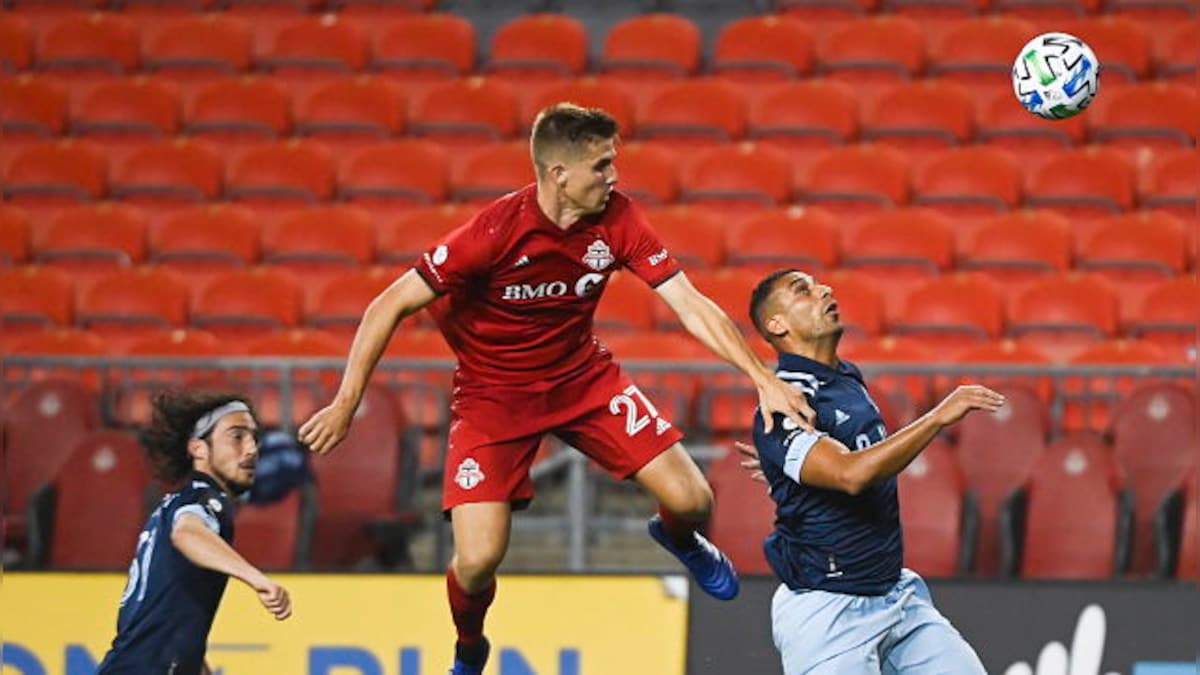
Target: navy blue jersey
825,539
169,603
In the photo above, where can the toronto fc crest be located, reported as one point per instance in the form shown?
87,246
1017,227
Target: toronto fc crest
469,474
598,255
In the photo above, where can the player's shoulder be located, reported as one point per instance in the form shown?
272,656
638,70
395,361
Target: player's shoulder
850,368
198,490
622,210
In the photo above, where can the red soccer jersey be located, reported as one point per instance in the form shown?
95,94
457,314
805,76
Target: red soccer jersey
522,291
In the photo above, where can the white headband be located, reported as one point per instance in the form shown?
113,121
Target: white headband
209,419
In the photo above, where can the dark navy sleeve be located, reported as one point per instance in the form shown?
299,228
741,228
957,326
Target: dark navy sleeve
786,447
206,503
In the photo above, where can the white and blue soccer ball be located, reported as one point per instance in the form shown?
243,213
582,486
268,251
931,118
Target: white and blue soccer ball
1056,76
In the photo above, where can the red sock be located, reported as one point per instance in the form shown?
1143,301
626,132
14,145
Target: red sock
679,530
468,610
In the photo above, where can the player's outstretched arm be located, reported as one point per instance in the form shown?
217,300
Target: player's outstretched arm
328,426
206,549
705,320
829,464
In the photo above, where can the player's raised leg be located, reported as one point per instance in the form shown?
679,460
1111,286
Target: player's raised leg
924,642
685,504
481,532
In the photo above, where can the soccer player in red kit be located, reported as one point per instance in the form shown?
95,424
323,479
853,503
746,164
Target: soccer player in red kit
516,288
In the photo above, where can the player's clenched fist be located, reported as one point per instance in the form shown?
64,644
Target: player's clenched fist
275,598
326,428
963,400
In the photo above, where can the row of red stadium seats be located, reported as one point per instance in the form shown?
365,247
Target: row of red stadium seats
955,497
556,46
796,118
854,180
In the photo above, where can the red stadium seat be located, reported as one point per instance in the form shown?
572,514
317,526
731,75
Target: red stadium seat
1002,122
99,503
361,109
1124,42
89,44
42,423
57,172
860,304
1061,314
60,342
693,236
16,44
360,487
242,109
1088,182
204,45
32,107
648,172
1170,182
1020,246
492,171
997,453
245,302
737,178
203,241
626,305
395,175
978,52
952,312
133,109
797,236
178,343
130,304
1076,523
464,112
900,248
309,388
274,536
1154,440
293,173
969,182
901,399
170,171
382,9
539,46
589,92
693,114
320,242
1089,401
33,297
315,46
764,48
94,239
937,519
873,50
857,179
804,118
1136,250
341,301
1168,317
743,514
14,236
1157,115
1045,10
406,237
653,46
432,47
921,116
728,287
1182,51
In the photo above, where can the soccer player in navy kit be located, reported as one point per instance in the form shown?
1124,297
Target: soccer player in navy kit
846,605
207,444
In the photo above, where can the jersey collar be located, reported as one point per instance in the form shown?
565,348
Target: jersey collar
803,364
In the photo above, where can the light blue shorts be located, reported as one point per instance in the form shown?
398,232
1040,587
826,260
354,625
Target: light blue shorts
823,633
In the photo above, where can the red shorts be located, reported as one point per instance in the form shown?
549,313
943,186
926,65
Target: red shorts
495,432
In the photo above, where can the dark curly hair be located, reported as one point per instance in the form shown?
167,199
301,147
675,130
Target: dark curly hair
175,415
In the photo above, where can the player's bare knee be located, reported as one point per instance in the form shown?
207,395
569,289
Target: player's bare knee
692,502
475,567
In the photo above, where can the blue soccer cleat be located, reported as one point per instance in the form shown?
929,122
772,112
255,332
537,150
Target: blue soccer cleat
471,660
712,569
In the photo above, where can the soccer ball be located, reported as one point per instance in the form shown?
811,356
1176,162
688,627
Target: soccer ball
1056,76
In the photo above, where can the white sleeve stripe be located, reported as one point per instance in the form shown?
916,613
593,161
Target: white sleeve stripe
196,510
797,452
